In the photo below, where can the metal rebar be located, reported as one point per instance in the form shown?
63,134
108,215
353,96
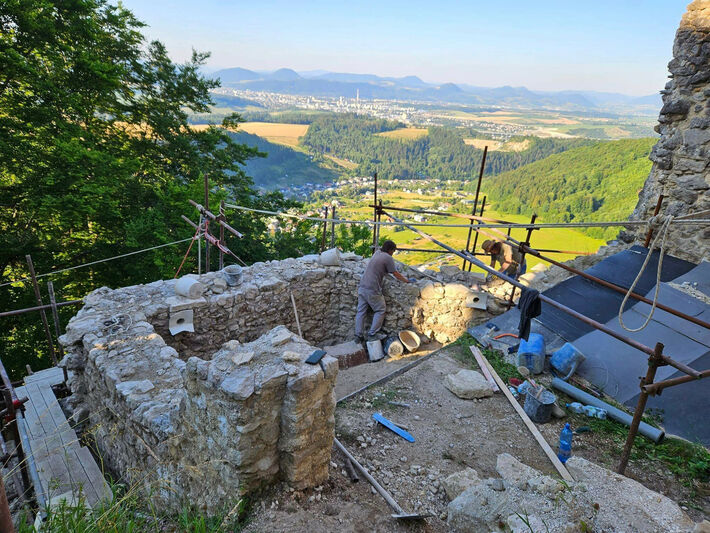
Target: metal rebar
609,285
207,213
325,229
649,234
475,203
654,361
656,388
38,297
55,317
207,208
522,259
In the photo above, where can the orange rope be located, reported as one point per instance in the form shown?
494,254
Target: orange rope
187,253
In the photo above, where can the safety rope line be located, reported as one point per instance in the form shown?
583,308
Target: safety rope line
506,225
192,241
662,233
55,272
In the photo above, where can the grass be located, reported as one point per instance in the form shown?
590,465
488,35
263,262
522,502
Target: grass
275,132
129,512
495,358
405,133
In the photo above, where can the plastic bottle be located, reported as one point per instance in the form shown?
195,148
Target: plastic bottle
565,444
575,407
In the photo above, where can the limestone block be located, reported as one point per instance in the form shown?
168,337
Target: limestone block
432,291
457,291
348,354
468,384
459,481
179,303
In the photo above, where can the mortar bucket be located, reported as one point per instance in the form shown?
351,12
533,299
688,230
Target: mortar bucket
232,275
539,409
393,346
330,257
374,351
410,340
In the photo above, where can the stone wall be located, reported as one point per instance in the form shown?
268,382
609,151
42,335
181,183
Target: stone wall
231,406
680,171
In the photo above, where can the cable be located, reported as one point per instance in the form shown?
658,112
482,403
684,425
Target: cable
54,272
192,241
662,233
565,225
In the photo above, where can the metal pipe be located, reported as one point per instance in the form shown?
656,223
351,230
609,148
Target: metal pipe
654,361
475,203
374,217
37,308
522,259
325,229
207,208
220,219
332,228
214,217
55,316
655,434
657,388
504,223
609,285
475,238
38,297
649,234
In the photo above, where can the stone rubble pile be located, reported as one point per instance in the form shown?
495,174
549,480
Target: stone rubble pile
525,500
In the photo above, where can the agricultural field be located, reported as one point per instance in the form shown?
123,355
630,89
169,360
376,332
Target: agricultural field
500,146
275,132
407,134
556,238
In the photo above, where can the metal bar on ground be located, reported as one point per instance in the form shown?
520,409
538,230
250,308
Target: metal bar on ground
475,203
649,234
38,297
654,361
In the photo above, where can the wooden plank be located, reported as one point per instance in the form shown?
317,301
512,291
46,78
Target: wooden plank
479,359
529,424
95,476
51,414
49,376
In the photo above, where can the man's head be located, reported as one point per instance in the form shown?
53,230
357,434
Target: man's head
491,247
389,247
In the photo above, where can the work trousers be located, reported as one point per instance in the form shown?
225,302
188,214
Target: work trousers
374,300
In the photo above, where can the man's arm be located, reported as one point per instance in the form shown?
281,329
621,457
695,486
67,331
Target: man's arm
400,277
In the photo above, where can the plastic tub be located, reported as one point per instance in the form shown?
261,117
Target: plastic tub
410,340
232,275
531,353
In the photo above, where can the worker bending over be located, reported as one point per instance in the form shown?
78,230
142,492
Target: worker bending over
369,292
511,260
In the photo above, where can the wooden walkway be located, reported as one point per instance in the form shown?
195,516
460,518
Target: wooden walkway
63,465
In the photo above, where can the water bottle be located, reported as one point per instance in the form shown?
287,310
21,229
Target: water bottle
565,444
575,407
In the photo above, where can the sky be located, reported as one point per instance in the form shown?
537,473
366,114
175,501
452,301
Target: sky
548,45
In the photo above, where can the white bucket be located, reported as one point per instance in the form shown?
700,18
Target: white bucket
330,257
232,275
410,340
374,351
189,287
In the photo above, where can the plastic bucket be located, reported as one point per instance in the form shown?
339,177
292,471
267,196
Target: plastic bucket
531,353
393,346
232,275
539,409
330,257
410,340
189,287
374,351
566,360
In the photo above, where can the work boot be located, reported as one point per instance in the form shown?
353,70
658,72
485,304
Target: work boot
378,336
359,339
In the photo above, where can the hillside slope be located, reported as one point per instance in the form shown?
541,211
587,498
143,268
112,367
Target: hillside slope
589,183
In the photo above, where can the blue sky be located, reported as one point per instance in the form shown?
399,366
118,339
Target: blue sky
603,45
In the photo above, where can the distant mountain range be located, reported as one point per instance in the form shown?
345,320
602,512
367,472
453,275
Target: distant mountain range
335,84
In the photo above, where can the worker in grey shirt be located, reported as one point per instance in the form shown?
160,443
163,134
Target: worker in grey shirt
369,292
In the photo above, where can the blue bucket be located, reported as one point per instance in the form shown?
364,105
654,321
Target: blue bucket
531,353
566,360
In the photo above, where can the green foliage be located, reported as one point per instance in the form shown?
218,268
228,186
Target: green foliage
441,154
588,183
282,166
495,358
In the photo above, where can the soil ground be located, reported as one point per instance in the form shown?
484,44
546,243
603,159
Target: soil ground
450,434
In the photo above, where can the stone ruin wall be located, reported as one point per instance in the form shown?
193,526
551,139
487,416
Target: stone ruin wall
231,406
681,157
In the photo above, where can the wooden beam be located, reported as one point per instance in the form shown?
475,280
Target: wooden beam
529,424
479,359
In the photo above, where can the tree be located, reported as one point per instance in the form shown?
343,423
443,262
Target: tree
96,155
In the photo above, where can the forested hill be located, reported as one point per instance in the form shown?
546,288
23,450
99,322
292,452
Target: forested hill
441,154
589,183
282,166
